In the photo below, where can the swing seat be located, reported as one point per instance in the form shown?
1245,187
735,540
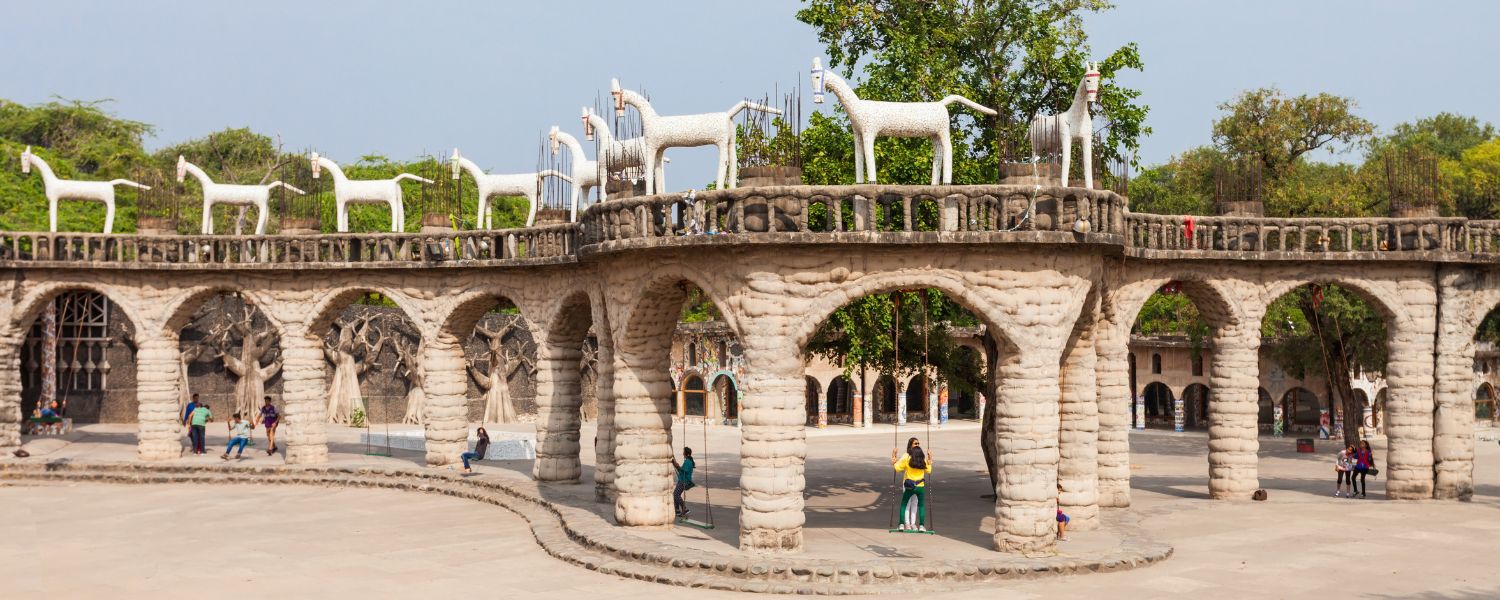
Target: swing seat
694,523
928,532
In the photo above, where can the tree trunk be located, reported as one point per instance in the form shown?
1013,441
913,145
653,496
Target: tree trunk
1336,369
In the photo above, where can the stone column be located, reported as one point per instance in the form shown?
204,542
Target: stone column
1179,414
558,404
157,373
1233,434
1408,468
604,432
1453,421
10,391
447,389
304,392
773,446
1026,431
1114,403
1077,471
643,443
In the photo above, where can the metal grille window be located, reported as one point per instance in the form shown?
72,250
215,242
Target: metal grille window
83,341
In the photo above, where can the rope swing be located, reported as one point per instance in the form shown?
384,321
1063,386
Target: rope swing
896,431
708,507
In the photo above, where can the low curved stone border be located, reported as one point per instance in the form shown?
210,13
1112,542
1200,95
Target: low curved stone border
597,546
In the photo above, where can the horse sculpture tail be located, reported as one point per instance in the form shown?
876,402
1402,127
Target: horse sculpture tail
129,183
273,184
746,104
551,173
967,102
410,176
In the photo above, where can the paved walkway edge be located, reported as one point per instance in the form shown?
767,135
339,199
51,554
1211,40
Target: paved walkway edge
567,534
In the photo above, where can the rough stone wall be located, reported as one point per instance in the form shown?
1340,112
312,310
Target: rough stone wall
1077,471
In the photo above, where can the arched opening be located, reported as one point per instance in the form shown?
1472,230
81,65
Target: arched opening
692,353
1303,409
1484,402
372,351
1266,413
1156,364
1362,410
77,360
230,357
1195,406
885,398
727,409
1377,416
1325,336
813,393
917,391
694,397
841,401
1160,411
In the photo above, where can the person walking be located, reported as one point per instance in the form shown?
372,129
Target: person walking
914,466
268,418
239,436
480,447
1364,464
684,481
1344,467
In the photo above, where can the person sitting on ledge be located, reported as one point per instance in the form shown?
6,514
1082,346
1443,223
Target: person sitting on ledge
480,448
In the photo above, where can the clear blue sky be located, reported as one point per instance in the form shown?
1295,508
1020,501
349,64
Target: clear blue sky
398,79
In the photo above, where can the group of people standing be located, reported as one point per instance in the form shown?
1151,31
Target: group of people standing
197,415
1353,464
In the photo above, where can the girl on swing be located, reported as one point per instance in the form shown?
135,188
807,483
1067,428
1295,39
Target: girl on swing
914,466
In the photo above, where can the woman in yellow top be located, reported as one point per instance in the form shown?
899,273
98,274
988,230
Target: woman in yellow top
914,466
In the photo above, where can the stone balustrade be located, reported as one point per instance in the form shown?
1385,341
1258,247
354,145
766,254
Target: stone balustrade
1265,237
551,243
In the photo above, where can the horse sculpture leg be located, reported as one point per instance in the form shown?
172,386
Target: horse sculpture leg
208,218
109,215
937,159
52,213
859,156
649,168
260,222
1067,152
1088,161
947,140
869,143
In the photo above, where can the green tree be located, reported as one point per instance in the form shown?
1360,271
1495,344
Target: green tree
1447,134
1277,131
1183,185
1020,57
1327,331
97,143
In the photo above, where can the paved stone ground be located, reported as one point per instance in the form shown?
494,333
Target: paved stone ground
283,541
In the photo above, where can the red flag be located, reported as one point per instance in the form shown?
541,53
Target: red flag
1187,228
1317,296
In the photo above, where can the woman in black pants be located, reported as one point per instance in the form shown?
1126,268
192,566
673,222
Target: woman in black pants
1364,462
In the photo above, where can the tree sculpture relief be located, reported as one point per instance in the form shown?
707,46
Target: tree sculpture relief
409,348
241,344
355,349
495,380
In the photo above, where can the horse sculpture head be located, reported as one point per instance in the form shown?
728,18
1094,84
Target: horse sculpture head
552,139
181,168
26,160
316,168
619,97
1091,81
817,80
588,128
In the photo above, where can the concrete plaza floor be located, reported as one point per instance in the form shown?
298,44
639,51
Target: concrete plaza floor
165,541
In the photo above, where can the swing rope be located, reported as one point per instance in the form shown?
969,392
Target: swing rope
931,407
896,431
707,506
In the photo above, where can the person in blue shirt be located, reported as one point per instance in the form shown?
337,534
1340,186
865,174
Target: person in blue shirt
684,481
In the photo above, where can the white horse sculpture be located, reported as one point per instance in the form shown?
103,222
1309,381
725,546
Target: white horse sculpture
528,185
65,189
1074,124
585,171
873,118
364,191
685,131
258,196
614,154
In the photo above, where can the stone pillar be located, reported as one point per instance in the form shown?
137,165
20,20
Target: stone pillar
1408,467
10,391
643,443
447,389
1233,433
1026,431
823,408
773,447
604,432
1114,405
1179,414
157,374
900,400
1453,421
559,400
304,393
1077,471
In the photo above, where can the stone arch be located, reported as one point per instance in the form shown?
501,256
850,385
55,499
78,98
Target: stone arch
1484,401
885,394
1218,304
694,392
1196,405
253,357
916,394
1159,404
345,391
956,288
1302,406
31,306
724,394
841,400
82,385
333,303
1266,410
1379,299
